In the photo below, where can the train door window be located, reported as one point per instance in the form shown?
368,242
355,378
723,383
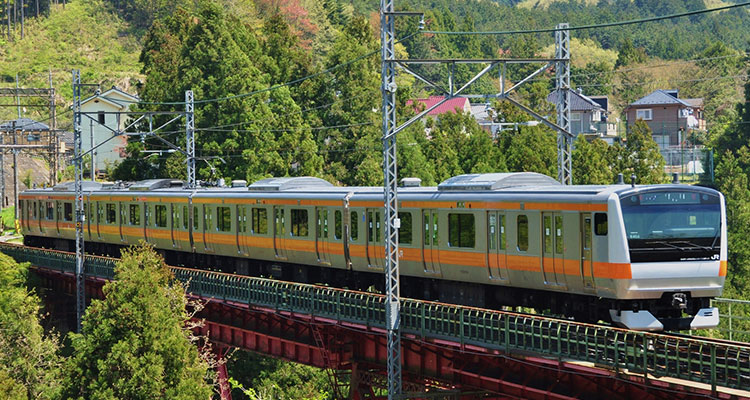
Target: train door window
175,216
260,221
461,230
547,234
68,211
196,218
492,231
50,211
426,219
322,218
522,232
185,218
223,219
207,219
160,216
370,227
147,209
31,209
600,223
111,213
135,214
241,219
404,231
354,235
559,246
337,225
299,222
123,214
501,221
59,208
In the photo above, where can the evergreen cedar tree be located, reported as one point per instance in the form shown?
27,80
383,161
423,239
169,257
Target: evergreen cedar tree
29,363
135,344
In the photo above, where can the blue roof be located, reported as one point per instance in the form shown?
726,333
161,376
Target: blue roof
24,124
659,97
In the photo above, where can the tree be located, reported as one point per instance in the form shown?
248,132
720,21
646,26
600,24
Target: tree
641,156
629,54
29,364
591,162
136,343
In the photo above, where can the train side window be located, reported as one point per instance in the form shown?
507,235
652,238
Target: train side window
299,222
354,235
461,230
68,211
338,226
260,221
404,232
50,211
223,219
522,232
111,214
160,219
135,214
600,222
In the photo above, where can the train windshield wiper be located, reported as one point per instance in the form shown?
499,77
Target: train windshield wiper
695,246
664,243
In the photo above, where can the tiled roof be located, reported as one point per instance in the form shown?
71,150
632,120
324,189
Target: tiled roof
578,101
659,97
449,106
24,124
695,103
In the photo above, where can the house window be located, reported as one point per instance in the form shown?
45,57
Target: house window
575,123
644,114
683,113
101,117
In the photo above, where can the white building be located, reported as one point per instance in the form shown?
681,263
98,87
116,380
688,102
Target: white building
94,126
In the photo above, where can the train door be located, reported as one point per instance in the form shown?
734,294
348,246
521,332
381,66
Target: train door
321,236
243,247
279,232
496,250
123,220
553,249
42,215
430,246
175,225
99,219
375,249
587,260
58,216
208,228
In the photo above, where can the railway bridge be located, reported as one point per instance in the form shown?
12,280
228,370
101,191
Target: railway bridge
448,351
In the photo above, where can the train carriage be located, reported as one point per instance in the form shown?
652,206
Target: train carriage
645,257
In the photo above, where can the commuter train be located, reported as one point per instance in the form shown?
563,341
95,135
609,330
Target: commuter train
644,257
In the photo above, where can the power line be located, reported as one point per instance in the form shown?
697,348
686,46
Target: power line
594,26
744,76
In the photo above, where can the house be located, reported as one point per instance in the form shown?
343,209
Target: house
97,125
669,117
588,115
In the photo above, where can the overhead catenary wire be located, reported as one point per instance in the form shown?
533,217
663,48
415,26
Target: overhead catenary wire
592,26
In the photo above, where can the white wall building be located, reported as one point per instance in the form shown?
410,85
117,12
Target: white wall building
97,107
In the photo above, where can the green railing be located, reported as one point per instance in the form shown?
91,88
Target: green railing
693,359
735,318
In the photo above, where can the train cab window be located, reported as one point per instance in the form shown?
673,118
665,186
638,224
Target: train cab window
461,230
196,218
260,221
404,232
160,216
522,232
68,211
111,213
135,214
600,223
185,219
50,211
354,235
223,219
299,223
337,225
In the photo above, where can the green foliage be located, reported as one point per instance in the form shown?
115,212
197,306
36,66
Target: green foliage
136,343
640,156
8,217
629,54
29,364
592,162
260,377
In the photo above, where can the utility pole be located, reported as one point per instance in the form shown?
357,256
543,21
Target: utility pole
55,139
390,186
79,214
562,83
190,138
15,170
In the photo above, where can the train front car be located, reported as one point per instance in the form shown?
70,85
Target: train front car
674,238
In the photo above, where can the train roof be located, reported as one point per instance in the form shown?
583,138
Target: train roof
467,185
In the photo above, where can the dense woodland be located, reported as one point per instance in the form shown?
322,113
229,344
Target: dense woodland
326,122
